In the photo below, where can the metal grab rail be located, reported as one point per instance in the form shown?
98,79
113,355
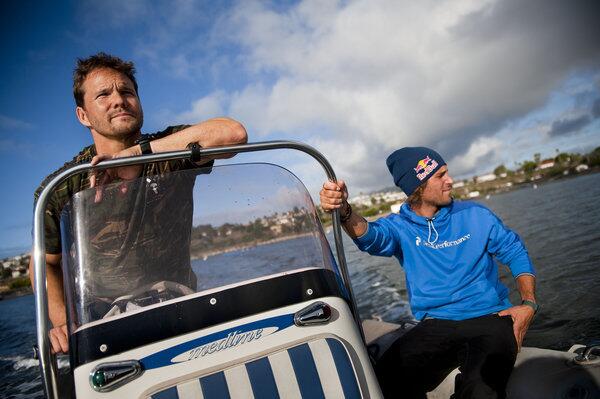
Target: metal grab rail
47,361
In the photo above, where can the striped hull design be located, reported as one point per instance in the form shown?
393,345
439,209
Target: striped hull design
317,369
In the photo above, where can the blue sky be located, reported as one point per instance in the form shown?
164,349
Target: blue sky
484,82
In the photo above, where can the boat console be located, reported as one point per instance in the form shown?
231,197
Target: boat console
205,283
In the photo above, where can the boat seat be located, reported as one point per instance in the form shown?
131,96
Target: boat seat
529,379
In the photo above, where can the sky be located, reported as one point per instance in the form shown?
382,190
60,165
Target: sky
484,82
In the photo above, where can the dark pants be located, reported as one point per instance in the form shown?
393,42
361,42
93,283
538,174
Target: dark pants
484,349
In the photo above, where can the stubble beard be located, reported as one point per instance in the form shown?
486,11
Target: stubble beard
121,131
438,202
445,200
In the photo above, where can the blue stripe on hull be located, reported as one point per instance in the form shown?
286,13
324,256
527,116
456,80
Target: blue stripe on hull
262,379
306,372
344,369
169,393
214,386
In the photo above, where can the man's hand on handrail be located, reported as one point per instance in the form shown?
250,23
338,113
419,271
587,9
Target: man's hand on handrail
59,339
100,178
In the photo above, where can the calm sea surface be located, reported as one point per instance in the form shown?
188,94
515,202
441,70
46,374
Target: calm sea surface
559,222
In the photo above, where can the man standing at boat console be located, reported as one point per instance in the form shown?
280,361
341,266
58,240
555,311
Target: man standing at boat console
107,103
447,249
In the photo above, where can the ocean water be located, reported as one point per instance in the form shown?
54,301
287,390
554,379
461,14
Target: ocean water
19,371
559,223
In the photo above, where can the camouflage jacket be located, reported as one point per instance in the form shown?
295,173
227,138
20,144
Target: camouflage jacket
130,240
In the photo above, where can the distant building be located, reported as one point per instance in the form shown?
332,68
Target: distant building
546,164
458,184
17,265
19,271
473,194
484,178
386,196
363,200
390,196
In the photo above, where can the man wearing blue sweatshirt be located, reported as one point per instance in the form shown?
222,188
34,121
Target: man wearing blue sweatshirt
447,250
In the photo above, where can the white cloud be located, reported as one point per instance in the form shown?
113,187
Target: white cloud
481,155
113,13
8,123
360,78
372,76
203,108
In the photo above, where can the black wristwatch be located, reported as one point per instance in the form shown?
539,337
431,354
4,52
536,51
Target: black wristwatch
144,143
195,148
532,305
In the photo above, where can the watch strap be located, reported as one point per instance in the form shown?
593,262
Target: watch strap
532,305
144,144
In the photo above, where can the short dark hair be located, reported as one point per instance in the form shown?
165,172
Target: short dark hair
415,198
101,60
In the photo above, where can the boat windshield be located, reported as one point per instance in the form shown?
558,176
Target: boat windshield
157,239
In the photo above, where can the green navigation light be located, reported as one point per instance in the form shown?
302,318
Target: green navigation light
99,379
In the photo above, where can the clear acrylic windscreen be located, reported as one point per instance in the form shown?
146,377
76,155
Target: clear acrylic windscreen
159,238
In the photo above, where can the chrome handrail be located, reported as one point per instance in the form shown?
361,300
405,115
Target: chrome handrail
48,362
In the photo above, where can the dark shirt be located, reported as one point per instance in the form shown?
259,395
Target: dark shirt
63,193
127,240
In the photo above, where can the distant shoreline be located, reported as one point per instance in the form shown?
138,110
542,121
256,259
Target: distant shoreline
505,190
251,244
531,184
12,294
9,293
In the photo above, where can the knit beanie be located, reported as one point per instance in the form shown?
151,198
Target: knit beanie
413,166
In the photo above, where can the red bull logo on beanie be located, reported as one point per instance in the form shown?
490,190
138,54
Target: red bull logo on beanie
425,166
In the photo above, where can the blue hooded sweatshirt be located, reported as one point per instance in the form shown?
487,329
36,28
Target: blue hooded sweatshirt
448,259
